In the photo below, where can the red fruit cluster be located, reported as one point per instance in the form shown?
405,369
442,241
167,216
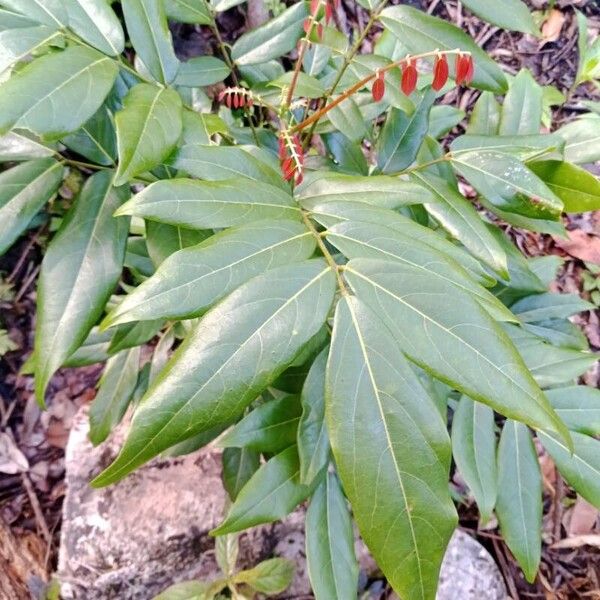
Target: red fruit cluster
464,75
236,97
291,157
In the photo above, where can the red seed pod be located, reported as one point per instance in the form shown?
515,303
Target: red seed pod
461,68
307,25
378,89
320,31
242,100
299,177
470,70
236,100
228,100
440,73
409,77
328,12
282,149
314,7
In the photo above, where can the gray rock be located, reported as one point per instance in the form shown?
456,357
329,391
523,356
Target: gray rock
469,572
135,538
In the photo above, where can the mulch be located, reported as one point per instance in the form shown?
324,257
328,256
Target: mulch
31,497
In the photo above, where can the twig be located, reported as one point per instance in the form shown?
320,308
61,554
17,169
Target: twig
27,283
25,252
37,509
505,569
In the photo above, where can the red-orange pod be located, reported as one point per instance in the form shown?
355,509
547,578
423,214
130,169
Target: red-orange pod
314,7
320,31
228,100
328,12
307,25
440,73
410,76
378,89
461,68
470,70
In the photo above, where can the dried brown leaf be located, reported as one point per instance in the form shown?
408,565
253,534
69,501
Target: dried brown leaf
552,26
581,245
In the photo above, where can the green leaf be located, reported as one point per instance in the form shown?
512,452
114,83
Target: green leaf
192,280
550,366
457,343
188,11
273,39
538,307
522,108
79,272
222,5
96,140
252,336
13,20
187,590
332,565
443,118
356,240
330,213
272,493
16,146
485,118
201,71
226,551
582,42
41,96
134,334
577,188
402,136
388,437
461,220
17,44
559,332
306,85
348,155
582,139
376,190
522,146
420,32
210,204
347,118
149,33
270,427
93,350
510,14
24,189
508,184
48,12
239,464
313,441
474,451
519,504
581,467
95,22
116,389
271,576
216,163
164,240
578,406
148,129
